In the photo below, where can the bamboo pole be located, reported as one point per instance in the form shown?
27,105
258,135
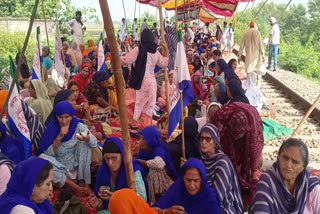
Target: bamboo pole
176,13
166,79
45,23
182,126
15,78
314,105
116,68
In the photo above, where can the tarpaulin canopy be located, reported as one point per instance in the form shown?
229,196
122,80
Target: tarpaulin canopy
221,7
206,17
170,5
153,3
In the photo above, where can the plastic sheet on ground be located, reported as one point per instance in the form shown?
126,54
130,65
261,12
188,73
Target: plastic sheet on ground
273,130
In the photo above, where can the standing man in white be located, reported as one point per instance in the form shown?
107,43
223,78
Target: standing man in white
77,28
273,44
123,31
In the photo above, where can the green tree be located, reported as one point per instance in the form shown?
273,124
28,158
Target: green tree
61,10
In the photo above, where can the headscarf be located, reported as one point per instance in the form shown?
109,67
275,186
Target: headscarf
191,136
20,187
146,46
76,53
221,175
42,104
3,97
197,67
237,92
84,52
225,68
197,91
83,83
91,46
61,96
152,137
5,160
240,128
10,147
54,128
127,201
104,174
206,201
99,77
272,195
223,97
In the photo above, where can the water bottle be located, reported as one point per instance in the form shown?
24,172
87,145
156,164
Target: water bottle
272,113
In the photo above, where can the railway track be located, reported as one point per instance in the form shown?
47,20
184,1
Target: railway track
290,108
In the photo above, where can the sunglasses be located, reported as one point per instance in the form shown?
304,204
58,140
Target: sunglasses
207,139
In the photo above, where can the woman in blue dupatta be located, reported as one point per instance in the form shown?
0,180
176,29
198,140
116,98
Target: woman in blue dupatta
112,174
190,193
28,189
235,91
288,187
154,156
219,170
67,144
10,147
222,67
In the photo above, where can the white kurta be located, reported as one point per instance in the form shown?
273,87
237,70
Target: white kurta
253,47
123,32
78,31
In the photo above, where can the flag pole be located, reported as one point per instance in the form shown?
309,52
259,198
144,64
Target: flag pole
176,12
116,68
165,69
34,12
182,126
45,23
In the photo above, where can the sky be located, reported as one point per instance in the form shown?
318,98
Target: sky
117,11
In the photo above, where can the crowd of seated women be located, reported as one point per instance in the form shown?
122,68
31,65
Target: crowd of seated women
220,171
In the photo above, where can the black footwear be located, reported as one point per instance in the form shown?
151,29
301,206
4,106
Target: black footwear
274,70
268,68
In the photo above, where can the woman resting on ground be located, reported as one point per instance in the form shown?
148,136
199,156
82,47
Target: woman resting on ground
288,187
112,173
67,144
191,193
221,93
97,92
39,101
235,91
29,188
222,69
142,96
50,84
162,99
191,136
155,157
82,105
220,173
63,95
83,77
127,201
240,129
83,50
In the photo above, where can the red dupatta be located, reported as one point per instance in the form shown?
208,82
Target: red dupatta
242,140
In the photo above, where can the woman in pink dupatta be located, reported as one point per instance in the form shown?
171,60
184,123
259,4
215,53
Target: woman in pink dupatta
240,128
141,97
